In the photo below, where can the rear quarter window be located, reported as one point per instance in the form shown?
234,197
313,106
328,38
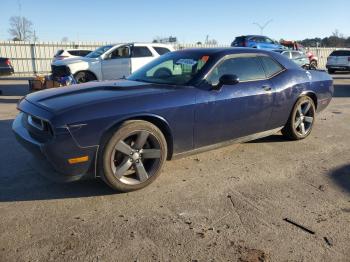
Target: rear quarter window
141,51
161,50
74,52
296,55
271,66
240,39
59,52
84,52
79,52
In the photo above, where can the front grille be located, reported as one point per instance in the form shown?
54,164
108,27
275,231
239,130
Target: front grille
39,129
60,71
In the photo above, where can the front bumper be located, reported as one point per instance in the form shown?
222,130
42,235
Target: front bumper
338,67
50,158
6,71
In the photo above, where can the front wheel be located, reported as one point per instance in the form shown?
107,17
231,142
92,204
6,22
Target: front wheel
83,77
301,119
313,65
134,156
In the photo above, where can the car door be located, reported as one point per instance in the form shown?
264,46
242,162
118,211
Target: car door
117,63
235,110
140,55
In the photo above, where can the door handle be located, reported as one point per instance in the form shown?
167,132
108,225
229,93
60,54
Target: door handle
266,88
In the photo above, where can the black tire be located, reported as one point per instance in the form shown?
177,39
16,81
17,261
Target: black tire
138,161
313,64
301,119
331,71
162,73
84,76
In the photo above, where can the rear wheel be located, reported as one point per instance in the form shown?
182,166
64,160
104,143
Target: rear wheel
84,76
301,120
134,156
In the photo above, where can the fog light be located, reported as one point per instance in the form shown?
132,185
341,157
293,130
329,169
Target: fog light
78,160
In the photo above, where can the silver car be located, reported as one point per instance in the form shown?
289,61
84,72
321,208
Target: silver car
338,60
298,57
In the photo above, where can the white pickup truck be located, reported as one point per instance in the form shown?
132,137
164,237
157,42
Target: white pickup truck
110,62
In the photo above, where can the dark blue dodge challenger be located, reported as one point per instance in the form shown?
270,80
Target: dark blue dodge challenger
183,102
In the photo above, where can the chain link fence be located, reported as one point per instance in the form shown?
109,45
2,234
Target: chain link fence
30,58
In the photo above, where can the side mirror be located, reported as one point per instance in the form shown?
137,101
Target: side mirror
105,57
227,80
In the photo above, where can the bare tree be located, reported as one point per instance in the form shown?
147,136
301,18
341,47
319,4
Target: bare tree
21,28
64,39
336,33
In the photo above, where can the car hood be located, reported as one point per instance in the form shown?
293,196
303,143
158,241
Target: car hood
75,96
74,60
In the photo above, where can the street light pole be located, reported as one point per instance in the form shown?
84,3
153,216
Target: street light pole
262,27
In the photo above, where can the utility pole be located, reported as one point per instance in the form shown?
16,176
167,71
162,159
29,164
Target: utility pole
262,27
19,7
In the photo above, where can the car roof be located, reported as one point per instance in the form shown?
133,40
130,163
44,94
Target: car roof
225,50
142,44
218,53
78,49
253,36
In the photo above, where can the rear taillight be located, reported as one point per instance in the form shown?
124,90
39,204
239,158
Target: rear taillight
7,62
245,43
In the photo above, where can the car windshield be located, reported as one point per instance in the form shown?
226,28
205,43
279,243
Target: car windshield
175,68
340,53
99,51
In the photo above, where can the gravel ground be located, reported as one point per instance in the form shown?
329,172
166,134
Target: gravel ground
230,204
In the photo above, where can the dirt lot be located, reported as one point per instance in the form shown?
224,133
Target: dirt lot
224,205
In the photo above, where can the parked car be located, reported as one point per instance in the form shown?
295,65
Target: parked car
256,41
338,60
69,53
110,61
313,59
297,57
183,102
5,67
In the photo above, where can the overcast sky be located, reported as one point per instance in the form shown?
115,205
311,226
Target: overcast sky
190,21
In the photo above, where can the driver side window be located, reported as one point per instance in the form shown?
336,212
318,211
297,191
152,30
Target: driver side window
245,68
121,52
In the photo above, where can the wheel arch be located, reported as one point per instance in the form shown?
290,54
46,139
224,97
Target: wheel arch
310,94
156,120
88,71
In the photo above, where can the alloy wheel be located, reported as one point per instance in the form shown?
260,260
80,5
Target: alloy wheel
304,118
136,157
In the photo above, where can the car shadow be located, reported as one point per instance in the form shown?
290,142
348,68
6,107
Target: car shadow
277,138
19,182
13,89
9,100
341,176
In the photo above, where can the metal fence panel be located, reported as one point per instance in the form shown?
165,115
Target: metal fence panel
30,58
